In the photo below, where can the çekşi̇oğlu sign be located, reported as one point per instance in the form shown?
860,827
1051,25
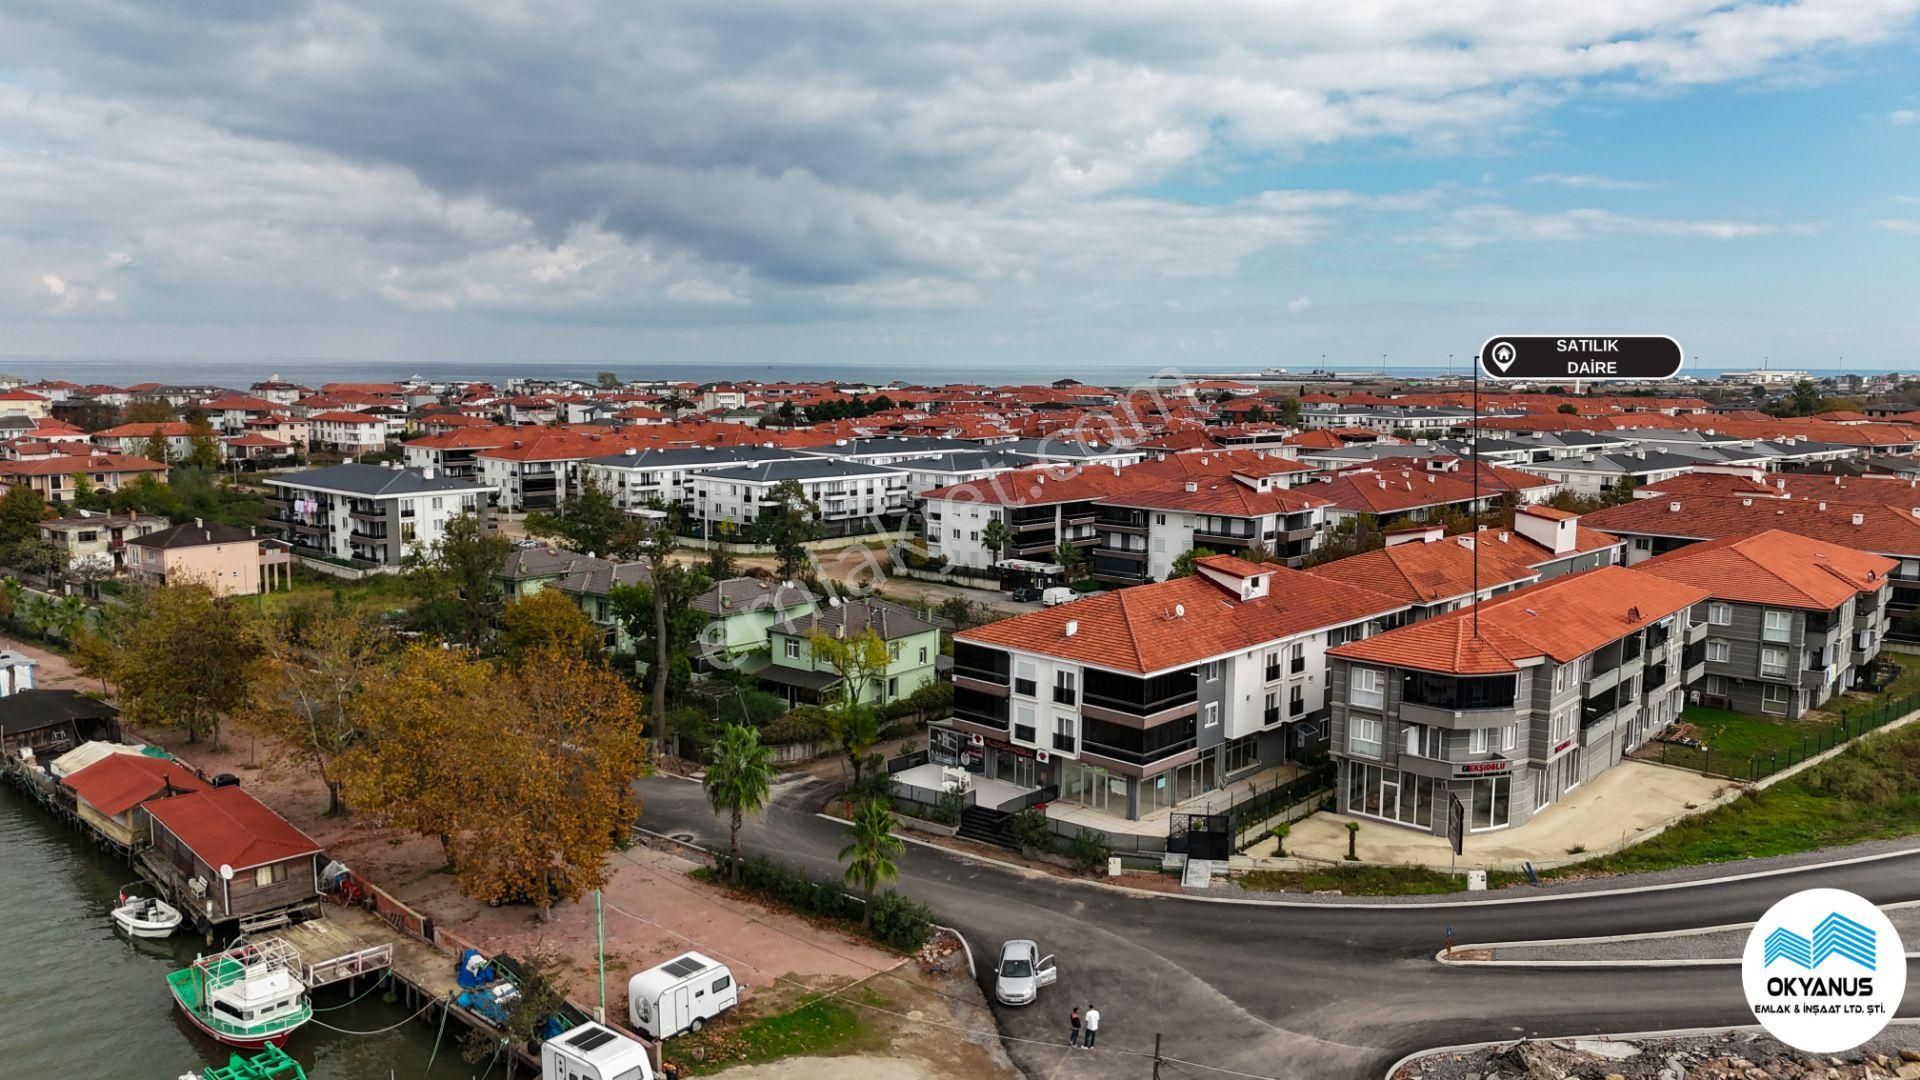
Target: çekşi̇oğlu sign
1587,358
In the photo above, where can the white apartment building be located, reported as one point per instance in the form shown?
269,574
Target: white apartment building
371,514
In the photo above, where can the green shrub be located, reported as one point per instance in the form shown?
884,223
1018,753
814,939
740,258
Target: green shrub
898,923
951,805
901,923
1030,831
1088,850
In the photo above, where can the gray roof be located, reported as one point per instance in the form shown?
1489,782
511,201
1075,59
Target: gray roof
735,595
890,621
598,577
193,534
376,480
893,444
1057,449
540,562
1617,464
967,461
697,455
773,472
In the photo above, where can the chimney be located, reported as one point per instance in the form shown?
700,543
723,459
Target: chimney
198,524
1859,519
1673,508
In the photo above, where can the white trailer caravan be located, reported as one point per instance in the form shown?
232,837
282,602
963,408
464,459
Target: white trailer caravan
594,1052
680,995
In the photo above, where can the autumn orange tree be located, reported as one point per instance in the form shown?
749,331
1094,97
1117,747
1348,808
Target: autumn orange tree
319,657
573,742
179,656
548,620
428,746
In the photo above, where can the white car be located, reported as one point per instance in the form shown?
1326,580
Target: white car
1022,972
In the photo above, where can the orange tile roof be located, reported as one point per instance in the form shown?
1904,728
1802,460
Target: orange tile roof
341,416
1776,568
1210,495
163,429
1563,618
115,463
1424,573
1890,530
1173,624
228,826
119,782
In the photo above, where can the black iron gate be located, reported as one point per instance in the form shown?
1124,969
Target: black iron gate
1200,836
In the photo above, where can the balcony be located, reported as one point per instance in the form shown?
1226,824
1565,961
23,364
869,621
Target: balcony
1273,672
1140,709
1063,695
1209,537
1696,631
1297,665
1414,712
1270,717
1656,678
1063,743
1296,707
1023,733
1139,757
1288,536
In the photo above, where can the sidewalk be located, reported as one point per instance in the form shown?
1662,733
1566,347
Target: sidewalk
1605,812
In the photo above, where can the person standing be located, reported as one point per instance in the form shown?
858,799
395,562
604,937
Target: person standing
1073,1028
1093,1026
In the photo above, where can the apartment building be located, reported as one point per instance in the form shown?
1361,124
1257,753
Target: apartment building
348,432
1790,620
229,561
455,452
96,541
637,478
1600,474
56,478
848,497
1513,706
1397,491
371,514
1435,573
796,673
175,435
1143,529
1130,701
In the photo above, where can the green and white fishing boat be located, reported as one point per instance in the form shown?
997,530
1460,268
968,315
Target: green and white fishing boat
251,996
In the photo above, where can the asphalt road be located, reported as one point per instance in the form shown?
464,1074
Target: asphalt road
1305,991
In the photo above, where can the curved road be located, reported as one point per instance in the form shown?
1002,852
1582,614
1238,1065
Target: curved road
1309,990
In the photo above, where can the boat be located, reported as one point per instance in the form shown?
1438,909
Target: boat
271,1063
145,916
251,996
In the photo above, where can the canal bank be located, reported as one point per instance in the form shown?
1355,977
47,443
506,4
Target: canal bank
80,1000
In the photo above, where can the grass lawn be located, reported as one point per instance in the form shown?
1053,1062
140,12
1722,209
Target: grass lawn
1359,879
785,1022
1744,734
378,592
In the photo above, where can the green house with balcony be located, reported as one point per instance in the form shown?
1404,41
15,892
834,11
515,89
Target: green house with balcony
796,674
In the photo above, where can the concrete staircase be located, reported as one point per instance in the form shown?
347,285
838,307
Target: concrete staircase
984,826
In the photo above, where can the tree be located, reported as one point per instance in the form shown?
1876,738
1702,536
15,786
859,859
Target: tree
1803,401
35,556
1622,492
150,412
1183,562
158,449
547,621
1569,408
870,852
1290,411
996,537
454,578
1258,552
656,549
431,743
1072,560
319,655
607,380
721,564
83,489
576,727
1351,536
790,528
203,445
738,780
660,610
21,512
1256,413
590,522
184,658
860,661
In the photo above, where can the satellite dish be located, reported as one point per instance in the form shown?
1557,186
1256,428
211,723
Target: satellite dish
226,872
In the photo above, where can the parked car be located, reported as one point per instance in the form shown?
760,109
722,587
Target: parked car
1058,595
1026,594
1022,972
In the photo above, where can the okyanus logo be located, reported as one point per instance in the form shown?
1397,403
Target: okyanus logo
1829,989
1836,935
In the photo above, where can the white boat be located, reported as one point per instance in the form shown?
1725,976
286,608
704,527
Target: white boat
145,916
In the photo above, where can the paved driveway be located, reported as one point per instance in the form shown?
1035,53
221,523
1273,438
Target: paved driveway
1308,990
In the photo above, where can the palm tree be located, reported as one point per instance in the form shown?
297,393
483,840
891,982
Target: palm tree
1072,560
996,537
12,595
870,852
36,615
738,780
68,617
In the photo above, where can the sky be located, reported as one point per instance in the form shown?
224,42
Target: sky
1215,186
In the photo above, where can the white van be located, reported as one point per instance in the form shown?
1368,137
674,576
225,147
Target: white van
594,1052
1057,595
680,995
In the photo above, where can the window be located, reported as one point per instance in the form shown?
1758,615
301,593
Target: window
974,536
1779,626
1367,690
1296,700
1297,663
1416,736
1720,614
1563,678
1773,663
1065,686
1159,519
923,654
1508,735
269,875
1025,678
1773,699
1363,735
1478,740
1271,715
1719,651
1241,754
1212,713
793,649
1716,686
1023,722
893,651
1211,673
1273,664
436,502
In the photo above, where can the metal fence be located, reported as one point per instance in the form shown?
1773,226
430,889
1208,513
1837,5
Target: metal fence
1264,804
1750,767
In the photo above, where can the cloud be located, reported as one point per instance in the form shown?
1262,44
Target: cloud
1589,182
1476,226
1903,117
594,159
1903,226
1298,304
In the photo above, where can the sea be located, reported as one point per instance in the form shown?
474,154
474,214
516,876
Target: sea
78,1000
241,372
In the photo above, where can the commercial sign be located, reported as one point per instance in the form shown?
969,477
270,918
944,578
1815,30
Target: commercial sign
951,748
1824,970
1483,768
1606,357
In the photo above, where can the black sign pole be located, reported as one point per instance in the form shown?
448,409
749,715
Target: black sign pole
1475,463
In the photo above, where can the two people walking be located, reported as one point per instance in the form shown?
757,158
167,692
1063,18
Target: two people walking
1076,1024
